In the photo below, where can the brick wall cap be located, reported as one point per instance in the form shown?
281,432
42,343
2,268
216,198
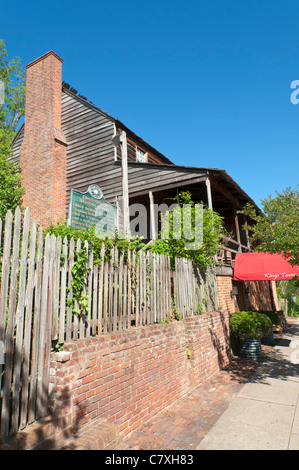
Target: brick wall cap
44,56
61,356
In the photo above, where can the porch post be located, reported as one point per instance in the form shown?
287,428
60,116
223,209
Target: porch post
125,188
246,233
237,228
152,217
209,192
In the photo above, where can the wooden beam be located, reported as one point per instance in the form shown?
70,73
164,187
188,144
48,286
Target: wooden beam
209,193
153,233
125,187
235,242
246,231
225,193
169,186
237,228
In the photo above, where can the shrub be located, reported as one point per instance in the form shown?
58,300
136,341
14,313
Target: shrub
274,317
246,325
172,240
95,242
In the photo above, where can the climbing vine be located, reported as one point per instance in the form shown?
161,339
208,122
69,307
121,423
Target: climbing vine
175,244
94,242
80,272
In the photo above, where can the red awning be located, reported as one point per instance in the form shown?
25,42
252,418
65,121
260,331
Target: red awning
263,267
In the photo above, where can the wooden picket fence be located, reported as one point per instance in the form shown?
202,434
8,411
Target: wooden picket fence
119,294
24,324
37,309
195,290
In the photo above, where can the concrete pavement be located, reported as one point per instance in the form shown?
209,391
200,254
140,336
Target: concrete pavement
264,414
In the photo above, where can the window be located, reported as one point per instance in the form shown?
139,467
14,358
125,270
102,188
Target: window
141,155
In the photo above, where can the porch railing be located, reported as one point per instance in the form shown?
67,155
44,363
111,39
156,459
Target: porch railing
227,252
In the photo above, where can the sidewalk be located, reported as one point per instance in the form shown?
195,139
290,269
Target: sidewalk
247,406
264,415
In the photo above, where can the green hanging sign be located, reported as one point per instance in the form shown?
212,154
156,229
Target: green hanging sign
90,209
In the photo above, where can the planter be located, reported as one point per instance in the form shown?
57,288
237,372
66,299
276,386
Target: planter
250,327
251,348
269,339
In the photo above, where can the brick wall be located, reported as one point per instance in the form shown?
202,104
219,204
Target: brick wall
208,341
43,150
128,377
224,288
251,295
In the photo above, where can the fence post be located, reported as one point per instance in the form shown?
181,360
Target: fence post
42,390
9,342
20,326
28,328
63,281
36,327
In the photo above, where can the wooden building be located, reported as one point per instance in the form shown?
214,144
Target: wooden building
79,152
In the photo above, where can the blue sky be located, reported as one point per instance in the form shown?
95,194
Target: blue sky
207,83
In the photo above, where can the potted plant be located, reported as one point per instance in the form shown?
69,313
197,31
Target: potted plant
275,320
249,328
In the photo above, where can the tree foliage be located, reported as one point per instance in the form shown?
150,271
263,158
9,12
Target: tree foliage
11,111
200,249
94,241
276,229
11,190
288,289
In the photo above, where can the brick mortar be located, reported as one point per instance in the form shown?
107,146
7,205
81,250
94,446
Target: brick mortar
124,379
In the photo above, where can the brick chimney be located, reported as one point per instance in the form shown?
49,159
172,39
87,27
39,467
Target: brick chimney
43,150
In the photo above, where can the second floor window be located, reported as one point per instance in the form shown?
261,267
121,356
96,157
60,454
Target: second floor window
141,155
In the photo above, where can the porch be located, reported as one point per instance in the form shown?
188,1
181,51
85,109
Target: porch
159,185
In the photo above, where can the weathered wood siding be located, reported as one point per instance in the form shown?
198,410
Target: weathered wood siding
152,156
143,177
16,146
90,152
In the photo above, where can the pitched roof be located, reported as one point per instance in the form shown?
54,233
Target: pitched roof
220,174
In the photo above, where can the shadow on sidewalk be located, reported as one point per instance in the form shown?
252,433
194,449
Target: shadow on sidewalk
274,364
